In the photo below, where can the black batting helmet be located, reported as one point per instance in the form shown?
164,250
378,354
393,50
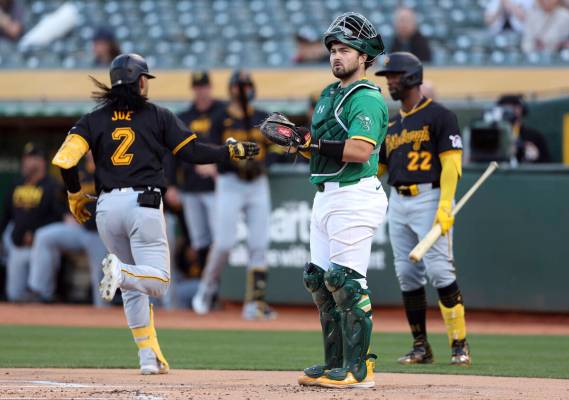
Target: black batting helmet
242,78
127,68
407,64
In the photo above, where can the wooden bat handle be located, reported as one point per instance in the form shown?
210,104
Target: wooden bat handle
425,244
489,171
430,238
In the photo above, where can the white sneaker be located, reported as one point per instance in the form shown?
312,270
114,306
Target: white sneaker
258,310
111,277
201,302
149,364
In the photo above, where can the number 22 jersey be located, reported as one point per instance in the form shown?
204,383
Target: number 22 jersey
414,141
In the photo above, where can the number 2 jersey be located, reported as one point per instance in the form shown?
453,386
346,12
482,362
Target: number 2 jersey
129,146
414,141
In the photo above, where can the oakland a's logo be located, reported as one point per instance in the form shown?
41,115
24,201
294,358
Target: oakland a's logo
365,122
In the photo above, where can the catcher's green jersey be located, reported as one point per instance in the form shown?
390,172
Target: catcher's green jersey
357,111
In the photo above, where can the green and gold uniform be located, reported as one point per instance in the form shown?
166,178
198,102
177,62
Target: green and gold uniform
357,111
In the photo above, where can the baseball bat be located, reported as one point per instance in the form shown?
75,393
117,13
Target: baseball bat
430,238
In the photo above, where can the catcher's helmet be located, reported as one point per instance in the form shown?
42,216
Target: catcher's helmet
356,31
127,68
407,64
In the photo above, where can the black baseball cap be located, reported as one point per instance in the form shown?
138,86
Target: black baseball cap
33,149
200,78
515,99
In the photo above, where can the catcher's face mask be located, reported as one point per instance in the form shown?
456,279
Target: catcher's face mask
356,31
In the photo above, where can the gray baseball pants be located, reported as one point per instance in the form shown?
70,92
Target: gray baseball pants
137,236
410,219
233,196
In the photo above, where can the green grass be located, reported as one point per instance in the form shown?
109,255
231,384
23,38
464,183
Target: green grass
64,347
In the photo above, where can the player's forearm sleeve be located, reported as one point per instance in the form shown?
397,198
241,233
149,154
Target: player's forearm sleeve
203,153
451,162
332,148
71,179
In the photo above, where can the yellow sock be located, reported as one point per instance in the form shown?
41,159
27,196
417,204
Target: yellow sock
454,321
145,337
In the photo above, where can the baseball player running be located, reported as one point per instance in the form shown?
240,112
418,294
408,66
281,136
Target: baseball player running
128,137
422,154
348,126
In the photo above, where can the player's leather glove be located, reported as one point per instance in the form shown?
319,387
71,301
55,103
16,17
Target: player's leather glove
77,203
444,216
241,150
279,130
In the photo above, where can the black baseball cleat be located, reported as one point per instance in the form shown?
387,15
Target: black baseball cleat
460,353
420,354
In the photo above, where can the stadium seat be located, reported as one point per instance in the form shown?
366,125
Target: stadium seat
261,32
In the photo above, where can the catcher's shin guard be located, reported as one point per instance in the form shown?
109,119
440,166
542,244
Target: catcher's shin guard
146,338
330,322
354,306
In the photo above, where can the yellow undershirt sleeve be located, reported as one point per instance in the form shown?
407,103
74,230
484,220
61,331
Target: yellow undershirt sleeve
381,169
73,148
451,162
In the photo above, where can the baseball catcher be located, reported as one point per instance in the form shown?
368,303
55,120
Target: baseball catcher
347,128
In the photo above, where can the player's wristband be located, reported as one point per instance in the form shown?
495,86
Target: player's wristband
332,148
71,179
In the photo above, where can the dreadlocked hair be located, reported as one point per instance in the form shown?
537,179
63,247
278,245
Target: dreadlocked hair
122,97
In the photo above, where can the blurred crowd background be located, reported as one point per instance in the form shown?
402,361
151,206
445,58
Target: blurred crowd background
276,33
199,43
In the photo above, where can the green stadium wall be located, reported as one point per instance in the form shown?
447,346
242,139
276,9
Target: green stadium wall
510,243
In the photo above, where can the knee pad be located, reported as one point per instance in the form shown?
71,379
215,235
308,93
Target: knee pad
342,283
313,278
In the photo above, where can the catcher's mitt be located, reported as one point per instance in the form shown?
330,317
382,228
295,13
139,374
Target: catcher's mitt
279,130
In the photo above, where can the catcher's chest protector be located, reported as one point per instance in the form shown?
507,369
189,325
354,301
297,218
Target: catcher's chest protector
324,123
329,122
